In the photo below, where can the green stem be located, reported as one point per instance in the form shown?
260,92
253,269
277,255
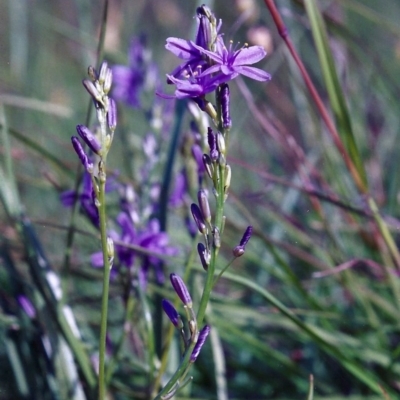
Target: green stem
106,285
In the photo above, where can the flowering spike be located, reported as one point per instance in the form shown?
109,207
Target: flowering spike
89,138
224,97
81,154
181,290
200,342
204,205
198,218
112,115
172,314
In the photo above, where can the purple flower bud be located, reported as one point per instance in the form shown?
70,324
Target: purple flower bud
112,114
198,218
241,247
246,236
88,137
238,251
224,97
181,290
171,312
200,342
204,255
204,205
208,165
27,306
81,154
212,142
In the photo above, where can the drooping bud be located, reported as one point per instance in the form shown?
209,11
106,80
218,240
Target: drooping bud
212,142
200,342
198,218
204,205
172,314
81,154
181,290
204,256
224,97
112,115
89,138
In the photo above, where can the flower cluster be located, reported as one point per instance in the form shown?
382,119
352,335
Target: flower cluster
208,62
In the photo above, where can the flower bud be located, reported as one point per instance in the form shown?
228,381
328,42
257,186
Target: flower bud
172,314
92,90
200,342
228,176
204,205
221,143
103,72
239,250
208,165
224,97
89,138
112,115
81,154
212,142
198,218
216,237
204,256
107,81
181,290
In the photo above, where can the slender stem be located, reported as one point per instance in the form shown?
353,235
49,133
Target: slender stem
106,284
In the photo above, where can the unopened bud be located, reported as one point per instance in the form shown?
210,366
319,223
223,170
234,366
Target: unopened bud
172,314
200,342
181,290
89,138
198,218
221,143
204,205
92,90
103,72
112,115
204,256
228,176
107,81
225,109
216,237
208,165
212,143
81,154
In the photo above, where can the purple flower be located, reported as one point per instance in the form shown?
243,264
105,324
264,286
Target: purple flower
188,51
85,197
194,86
151,239
128,81
231,62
